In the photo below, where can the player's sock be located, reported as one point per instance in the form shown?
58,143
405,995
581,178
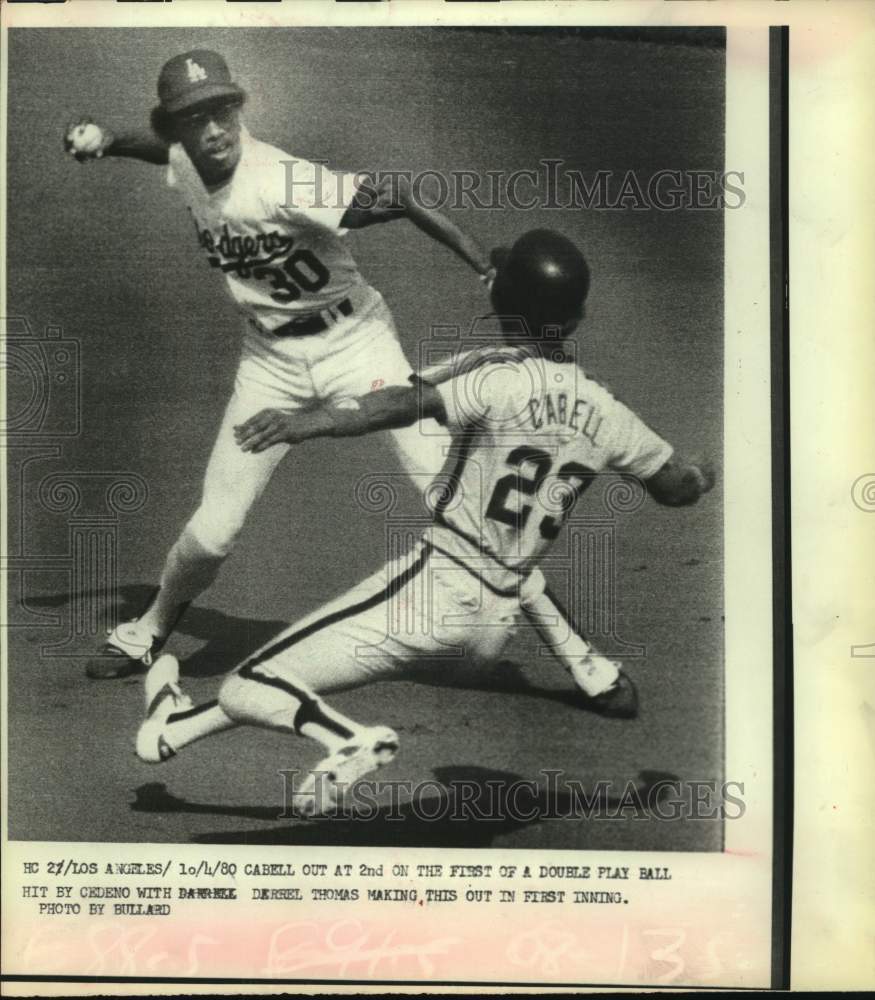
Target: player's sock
320,722
195,723
260,699
593,673
188,571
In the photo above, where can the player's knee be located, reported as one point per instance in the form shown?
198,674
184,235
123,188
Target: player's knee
235,696
254,703
217,529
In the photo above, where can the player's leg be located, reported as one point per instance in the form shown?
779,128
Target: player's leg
605,687
172,720
366,356
233,482
358,639
346,643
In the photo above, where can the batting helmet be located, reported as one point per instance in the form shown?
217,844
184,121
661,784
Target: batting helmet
543,278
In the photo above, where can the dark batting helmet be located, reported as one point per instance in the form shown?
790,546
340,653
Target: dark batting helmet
543,278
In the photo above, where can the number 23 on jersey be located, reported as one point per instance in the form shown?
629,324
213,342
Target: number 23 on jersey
533,467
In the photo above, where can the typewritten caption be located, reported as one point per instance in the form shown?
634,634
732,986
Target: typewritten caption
136,889
374,913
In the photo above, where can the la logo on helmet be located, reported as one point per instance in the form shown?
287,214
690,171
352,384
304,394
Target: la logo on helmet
196,72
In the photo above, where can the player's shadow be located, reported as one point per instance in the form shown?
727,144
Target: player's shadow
228,639
503,677
466,806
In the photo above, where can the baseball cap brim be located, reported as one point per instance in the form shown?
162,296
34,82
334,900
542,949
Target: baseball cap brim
207,92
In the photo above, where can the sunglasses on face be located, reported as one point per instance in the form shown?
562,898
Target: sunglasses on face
222,114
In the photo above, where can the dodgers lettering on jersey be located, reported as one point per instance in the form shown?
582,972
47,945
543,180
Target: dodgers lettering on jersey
278,244
530,436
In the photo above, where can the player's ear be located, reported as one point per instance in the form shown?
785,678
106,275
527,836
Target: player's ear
162,125
498,256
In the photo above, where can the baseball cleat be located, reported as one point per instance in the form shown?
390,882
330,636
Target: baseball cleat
163,697
620,701
129,648
323,787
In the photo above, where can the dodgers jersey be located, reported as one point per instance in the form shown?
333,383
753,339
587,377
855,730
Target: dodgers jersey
530,436
272,230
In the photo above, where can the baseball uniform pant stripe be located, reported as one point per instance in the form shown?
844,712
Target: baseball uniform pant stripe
388,592
192,712
309,709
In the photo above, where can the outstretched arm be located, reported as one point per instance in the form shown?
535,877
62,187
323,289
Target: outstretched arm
394,406
139,145
392,197
85,140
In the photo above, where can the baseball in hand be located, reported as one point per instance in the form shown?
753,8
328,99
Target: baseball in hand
86,139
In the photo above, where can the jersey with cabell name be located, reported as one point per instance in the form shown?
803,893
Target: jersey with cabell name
530,437
273,230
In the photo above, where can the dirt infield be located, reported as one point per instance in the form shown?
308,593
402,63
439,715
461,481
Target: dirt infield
107,254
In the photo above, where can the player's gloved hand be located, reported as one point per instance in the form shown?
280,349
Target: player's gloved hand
706,473
85,140
270,427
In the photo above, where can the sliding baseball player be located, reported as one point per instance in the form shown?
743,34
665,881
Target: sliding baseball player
530,435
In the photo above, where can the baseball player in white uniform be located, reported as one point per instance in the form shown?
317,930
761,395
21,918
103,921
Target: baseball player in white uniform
313,329
530,435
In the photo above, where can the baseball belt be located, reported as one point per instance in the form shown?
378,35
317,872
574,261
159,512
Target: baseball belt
306,326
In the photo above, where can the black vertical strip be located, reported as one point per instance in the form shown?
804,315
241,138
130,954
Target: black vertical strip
782,623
